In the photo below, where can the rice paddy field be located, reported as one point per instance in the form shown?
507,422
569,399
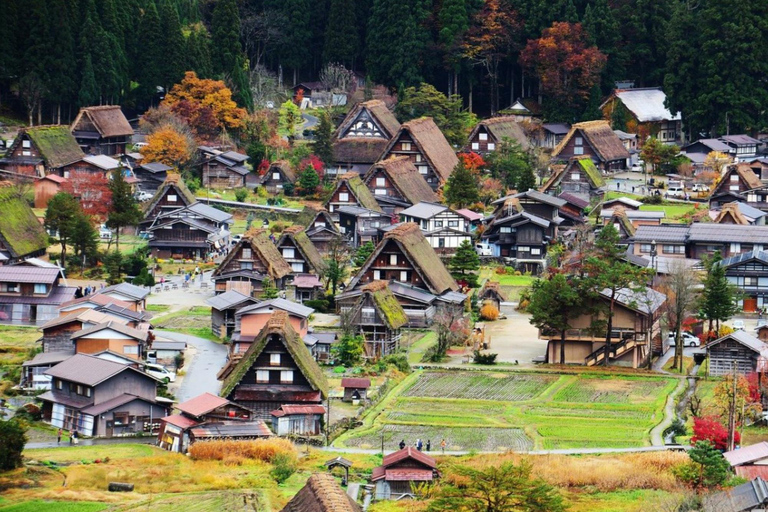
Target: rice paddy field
486,411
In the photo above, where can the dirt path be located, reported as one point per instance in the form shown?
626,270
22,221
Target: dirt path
657,432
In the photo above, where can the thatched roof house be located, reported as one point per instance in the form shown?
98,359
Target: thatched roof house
579,177
107,120
401,181
494,131
595,139
296,237
262,249
363,135
387,307
175,187
21,234
321,494
41,150
351,191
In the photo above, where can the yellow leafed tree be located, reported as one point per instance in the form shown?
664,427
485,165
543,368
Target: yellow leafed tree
167,146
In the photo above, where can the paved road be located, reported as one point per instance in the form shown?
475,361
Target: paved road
91,442
575,451
200,372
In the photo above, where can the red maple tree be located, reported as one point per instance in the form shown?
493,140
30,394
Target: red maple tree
316,164
472,161
92,190
709,428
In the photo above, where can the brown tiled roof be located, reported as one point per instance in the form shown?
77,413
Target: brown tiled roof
358,150
321,494
24,274
351,382
433,144
109,120
406,179
263,248
202,404
409,452
89,315
606,144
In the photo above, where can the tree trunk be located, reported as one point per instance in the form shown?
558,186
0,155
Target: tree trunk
117,239
471,87
40,113
455,82
58,113
562,346
609,328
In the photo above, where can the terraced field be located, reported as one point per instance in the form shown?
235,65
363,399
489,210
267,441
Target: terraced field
487,411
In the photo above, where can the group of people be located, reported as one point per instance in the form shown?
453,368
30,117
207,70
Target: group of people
419,444
80,292
73,436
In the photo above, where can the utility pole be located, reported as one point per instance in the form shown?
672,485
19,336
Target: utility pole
328,423
732,414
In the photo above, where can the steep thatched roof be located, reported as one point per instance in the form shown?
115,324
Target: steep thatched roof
746,173
378,111
358,189
108,120
56,145
263,249
406,179
491,289
20,231
432,143
599,135
386,303
175,181
585,163
504,127
280,325
732,210
305,245
620,216
358,150
321,494
282,166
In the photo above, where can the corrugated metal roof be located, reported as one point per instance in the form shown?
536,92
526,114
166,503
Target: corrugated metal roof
180,421
740,139
424,210
28,274
678,234
749,496
285,305
557,128
155,167
168,345
750,211
743,338
647,104
102,162
228,299
232,429
747,454
635,214
728,233
646,301
289,410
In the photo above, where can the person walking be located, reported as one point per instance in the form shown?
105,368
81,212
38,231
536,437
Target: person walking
58,437
71,438
443,445
402,444
419,444
429,444
75,436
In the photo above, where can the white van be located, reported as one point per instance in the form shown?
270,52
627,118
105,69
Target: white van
160,372
675,189
483,250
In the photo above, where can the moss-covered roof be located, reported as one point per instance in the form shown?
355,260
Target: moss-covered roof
21,232
307,248
592,172
264,249
177,182
280,325
360,191
56,145
386,303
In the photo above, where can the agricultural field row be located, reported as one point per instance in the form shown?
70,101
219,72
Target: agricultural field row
500,411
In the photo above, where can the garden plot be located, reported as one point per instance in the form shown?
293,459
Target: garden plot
488,411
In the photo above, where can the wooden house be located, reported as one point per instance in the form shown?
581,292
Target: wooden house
151,175
648,114
223,309
748,272
350,191
22,235
635,217
300,253
40,150
488,135
47,187
703,147
739,183
706,238
579,178
30,295
33,377
298,420
189,232
636,329
322,231
737,350
361,137
553,134
102,130
426,146
171,195
378,317
355,388
134,295
251,262
619,219
401,471
57,332
223,169
750,462
278,176
97,397
321,493
596,140
360,225
277,370
250,320
113,336
444,228
743,146
491,294
91,165
396,184
572,212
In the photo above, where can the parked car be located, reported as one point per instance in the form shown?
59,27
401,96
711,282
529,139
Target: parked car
689,340
483,250
143,196
675,189
104,232
160,372
738,325
700,187
636,168
236,238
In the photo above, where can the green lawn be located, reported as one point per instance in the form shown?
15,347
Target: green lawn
417,350
520,411
91,453
56,506
613,194
673,212
16,342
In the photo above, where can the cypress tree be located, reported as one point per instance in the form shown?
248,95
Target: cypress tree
341,43
569,13
603,31
89,89
225,37
461,187
322,146
63,63
242,93
150,48
465,263
199,53
173,45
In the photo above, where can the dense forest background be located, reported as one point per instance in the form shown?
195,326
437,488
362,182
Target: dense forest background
709,55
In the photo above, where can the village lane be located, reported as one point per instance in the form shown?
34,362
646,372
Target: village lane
207,358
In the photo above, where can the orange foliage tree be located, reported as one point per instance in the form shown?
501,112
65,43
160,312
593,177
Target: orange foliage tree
472,161
92,190
205,104
167,146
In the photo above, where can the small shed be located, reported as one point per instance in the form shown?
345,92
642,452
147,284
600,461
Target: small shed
322,494
491,294
749,496
355,388
302,420
738,348
400,471
340,462
165,351
749,461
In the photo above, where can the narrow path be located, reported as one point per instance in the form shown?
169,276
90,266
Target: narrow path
566,451
657,432
200,373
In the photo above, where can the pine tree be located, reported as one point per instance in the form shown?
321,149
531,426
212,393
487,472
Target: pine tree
173,45
308,181
89,89
124,210
644,24
569,13
60,216
461,187
453,21
63,63
242,88
225,37
603,31
113,263
718,298
294,50
555,302
526,180
322,145
363,252
592,109
465,263
150,49
341,42
199,53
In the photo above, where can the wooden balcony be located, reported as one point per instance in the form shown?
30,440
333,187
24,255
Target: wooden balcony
585,335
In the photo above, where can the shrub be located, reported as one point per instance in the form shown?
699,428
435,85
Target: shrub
399,361
12,432
709,429
652,199
284,467
489,312
707,467
261,192
193,184
261,449
319,305
277,226
484,358
241,194
29,412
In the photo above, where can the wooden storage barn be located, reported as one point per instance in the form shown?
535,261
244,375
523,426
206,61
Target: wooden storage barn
400,470
277,176
737,349
102,130
355,388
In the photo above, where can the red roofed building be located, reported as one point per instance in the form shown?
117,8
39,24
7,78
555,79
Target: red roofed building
749,461
303,420
46,188
401,469
355,388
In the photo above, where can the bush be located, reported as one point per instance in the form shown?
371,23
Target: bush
241,195
284,467
399,361
480,358
319,305
652,199
12,432
260,192
261,449
288,188
29,412
193,184
489,312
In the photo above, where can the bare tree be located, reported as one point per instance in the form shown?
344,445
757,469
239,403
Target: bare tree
32,90
680,287
261,31
264,86
451,328
336,78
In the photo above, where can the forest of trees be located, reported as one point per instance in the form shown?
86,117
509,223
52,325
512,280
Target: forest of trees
56,55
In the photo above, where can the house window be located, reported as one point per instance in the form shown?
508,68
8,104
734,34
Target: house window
751,198
286,377
524,248
483,136
404,276
59,384
375,223
475,145
246,254
381,182
406,146
393,259
275,175
172,198
423,169
673,249
734,187
438,223
505,229
535,251
297,267
441,242
418,158
40,288
376,275
262,376
645,247
750,281
246,265
288,252
380,192
491,146
66,174
131,349
735,247
344,197
88,392
578,150
368,315
26,153
274,359
575,176
453,223
26,144
734,178
578,141
9,288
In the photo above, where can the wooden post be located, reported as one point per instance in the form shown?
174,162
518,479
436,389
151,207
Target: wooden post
732,414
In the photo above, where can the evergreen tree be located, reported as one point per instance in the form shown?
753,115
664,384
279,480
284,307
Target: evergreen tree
511,164
718,298
113,263
84,238
89,89
60,216
323,145
38,47
555,302
592,109
349,350
63,63
308,181
341,42
644,24
569,13
708,467
225,37
461,187
465,263
124,210
295,49
526,180
603,31
13,434
173,45
151,52
363,252
242,88
199,53
397,41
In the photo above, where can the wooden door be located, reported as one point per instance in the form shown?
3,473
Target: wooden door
750,304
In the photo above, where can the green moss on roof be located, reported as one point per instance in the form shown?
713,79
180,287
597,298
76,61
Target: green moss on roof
307,248
56,144
592,172
280,325
389,308
362,193
20,230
